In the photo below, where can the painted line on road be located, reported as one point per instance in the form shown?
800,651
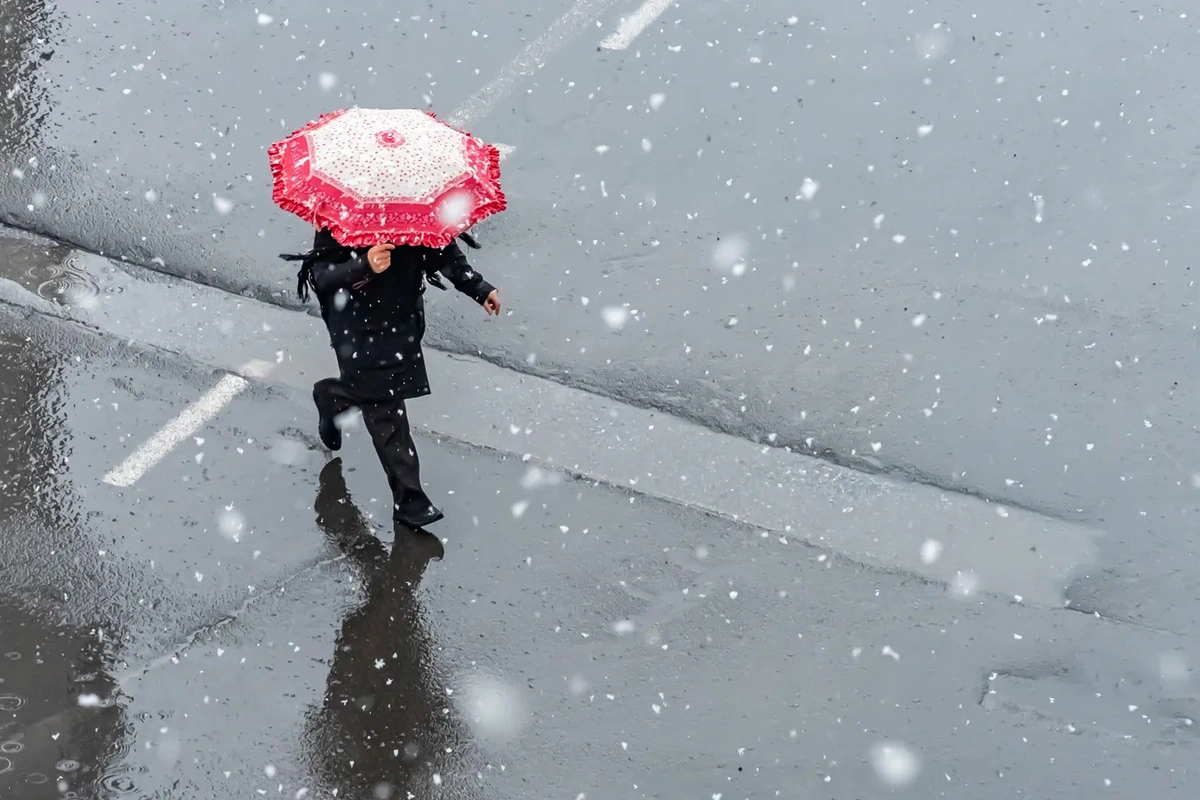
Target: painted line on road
632,26
579,17
190,420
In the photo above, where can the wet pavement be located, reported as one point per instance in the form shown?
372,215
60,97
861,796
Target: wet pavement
234,623
873,519
950,243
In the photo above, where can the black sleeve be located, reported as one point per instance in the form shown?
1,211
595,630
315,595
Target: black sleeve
458,270
332,275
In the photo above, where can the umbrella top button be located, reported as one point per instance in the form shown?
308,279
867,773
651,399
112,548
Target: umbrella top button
389,138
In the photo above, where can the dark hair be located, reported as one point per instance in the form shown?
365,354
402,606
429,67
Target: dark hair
326,248
322,251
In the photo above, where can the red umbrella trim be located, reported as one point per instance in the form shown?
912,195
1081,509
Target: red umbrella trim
277,153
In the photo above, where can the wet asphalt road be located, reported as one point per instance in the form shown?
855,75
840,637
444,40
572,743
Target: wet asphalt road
1017,324
235,623
966,230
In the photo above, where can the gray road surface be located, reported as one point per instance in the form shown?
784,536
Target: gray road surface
229,624
949,242
966,230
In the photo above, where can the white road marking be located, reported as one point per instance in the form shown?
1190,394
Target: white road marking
632,26
190,420
578,18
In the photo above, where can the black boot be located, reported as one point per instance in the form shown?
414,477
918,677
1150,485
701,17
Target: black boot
331,435
417,514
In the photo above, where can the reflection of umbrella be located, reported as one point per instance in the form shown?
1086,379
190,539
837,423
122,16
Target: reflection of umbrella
400,175
387,727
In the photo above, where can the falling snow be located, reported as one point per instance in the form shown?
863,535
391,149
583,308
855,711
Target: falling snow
615,317
495,709
895,764
1053,258
931,551
231,523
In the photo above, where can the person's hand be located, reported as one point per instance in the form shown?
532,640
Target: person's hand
379,257
492,304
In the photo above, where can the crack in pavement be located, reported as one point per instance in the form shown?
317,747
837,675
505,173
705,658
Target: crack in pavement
1083,703
1070,605
181,648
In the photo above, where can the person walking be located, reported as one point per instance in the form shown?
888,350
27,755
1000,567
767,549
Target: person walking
390,192
372,302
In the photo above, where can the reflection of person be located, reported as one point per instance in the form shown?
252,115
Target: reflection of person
387,727
372,304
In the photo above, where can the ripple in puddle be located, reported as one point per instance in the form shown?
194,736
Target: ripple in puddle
118,783
67,765
36,778
11,747
5,765
10,702
67,283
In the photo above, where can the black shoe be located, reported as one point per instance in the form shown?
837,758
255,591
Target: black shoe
417,516
331,435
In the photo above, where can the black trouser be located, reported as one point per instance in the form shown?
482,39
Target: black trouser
387,424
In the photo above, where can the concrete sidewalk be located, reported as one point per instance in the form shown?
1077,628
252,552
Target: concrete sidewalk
871,519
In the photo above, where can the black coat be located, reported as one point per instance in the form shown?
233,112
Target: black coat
376,321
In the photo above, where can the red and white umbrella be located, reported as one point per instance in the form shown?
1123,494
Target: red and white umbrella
379,175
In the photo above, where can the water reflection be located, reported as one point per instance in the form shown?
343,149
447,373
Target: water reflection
57,727
26,27
47,270
388,727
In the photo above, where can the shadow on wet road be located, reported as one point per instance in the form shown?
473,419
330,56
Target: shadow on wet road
387,726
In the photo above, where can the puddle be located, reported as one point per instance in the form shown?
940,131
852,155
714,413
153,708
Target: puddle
53,272
51,748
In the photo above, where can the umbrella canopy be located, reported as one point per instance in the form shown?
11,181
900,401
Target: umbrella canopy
386,175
